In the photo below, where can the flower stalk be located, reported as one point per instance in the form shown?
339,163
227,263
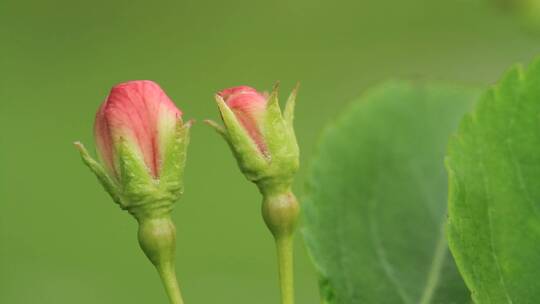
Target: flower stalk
284,248
157,238
168,278
280,213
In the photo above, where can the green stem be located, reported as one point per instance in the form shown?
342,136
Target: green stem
284,246
168,277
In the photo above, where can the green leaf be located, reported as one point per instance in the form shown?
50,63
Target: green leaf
375,211
494,202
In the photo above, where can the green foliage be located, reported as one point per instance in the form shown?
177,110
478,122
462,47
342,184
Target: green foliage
494,197
374,215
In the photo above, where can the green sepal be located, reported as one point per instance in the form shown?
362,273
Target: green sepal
221,130
136,190
252,162
172,170
274,129
106,181
138,185
280,139
288,114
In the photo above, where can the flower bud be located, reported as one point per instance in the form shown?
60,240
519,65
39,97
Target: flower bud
141,143
261,137
139,113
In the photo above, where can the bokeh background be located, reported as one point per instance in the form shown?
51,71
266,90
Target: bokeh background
62,240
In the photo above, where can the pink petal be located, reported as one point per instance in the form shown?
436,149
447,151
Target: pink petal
133,111
249,106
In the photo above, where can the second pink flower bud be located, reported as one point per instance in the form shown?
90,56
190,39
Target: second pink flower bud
260,136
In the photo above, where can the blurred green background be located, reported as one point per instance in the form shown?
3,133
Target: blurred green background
62,240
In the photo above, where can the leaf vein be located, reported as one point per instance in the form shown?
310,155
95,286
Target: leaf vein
387,267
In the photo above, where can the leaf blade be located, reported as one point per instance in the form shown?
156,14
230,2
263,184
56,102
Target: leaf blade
494,171
352,201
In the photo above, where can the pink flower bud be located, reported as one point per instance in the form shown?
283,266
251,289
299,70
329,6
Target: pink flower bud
140,113
249,106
